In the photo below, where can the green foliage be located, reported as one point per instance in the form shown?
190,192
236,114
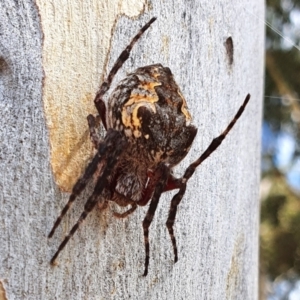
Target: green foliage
280,210
280,228
278,110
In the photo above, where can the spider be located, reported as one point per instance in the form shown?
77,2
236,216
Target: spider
148,132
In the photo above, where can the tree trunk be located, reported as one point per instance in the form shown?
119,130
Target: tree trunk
54,55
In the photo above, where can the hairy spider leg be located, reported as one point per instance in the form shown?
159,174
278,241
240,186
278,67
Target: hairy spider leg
171,218
77,189
181,182
99,103
163,171
109,150
90,170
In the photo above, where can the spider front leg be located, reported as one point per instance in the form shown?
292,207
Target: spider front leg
77,189
109,151
180,183
99,103
90,170
81,183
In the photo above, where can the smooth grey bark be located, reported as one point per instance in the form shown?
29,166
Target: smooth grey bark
217,221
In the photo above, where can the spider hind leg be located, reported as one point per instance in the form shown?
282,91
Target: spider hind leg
180,183
216,142
164,172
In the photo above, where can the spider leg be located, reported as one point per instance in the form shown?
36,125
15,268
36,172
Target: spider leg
171,218
109,150
164,172
77,189
99,103
174,183
216,142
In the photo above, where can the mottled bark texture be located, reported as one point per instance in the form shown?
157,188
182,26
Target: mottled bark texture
216,225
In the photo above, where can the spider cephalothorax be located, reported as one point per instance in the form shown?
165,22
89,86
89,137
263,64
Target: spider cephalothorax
148,133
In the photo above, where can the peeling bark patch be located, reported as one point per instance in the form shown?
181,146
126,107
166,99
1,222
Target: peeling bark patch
229,49
4,67
2,292
77,38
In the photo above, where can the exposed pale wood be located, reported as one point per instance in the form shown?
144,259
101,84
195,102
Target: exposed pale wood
217,221
2,292
76,46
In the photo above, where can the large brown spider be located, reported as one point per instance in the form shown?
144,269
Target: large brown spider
148,133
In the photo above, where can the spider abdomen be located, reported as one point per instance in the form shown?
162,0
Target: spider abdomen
148,107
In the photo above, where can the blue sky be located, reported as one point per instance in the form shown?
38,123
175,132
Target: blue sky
283,146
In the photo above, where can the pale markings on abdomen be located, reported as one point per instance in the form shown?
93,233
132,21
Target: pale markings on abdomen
184,109
130,109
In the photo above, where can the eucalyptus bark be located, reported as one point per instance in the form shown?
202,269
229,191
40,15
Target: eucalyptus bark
217,221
